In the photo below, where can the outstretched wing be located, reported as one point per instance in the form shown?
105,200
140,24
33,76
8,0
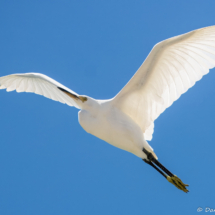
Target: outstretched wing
39,84
171,68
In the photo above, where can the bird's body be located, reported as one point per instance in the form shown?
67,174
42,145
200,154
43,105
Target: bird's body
127,120
108,123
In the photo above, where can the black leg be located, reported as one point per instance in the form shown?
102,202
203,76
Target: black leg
151,158
163,168
151,164
152,161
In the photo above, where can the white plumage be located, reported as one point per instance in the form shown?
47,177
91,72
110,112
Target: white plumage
127,121
172,67
39,84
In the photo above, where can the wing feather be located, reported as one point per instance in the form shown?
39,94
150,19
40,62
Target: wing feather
172,67
39,84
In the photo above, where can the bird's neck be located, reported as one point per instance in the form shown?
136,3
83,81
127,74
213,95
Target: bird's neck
91,105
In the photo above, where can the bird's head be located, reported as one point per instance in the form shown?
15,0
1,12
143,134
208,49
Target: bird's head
86,102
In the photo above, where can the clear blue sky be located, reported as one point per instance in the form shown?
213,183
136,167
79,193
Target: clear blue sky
48,163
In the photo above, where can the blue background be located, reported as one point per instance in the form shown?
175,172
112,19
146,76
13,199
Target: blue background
48,163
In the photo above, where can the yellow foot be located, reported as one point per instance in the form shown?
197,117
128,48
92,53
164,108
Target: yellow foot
178,183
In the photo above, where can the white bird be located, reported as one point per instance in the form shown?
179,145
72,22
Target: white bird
127,120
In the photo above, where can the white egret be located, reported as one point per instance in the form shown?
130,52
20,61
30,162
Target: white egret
127,120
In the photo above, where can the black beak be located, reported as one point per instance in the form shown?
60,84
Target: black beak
73,96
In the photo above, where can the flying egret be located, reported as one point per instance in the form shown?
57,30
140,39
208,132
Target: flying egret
127,120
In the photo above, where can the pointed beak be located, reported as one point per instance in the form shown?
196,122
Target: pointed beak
73,96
